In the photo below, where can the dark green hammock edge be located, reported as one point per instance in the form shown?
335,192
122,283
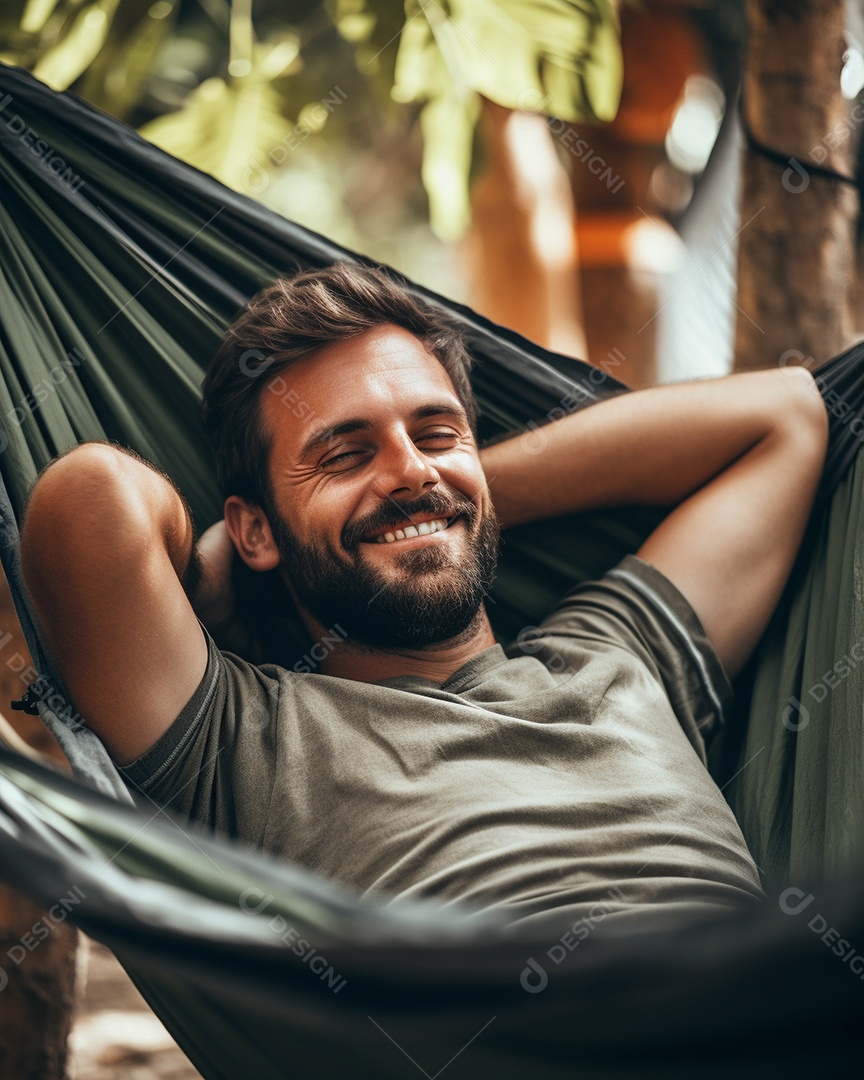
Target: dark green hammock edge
118,273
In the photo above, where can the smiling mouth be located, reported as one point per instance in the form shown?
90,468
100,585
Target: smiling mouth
408,532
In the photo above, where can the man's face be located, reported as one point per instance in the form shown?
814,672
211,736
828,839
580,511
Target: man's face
380,508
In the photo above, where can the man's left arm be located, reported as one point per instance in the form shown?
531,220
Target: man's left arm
737,460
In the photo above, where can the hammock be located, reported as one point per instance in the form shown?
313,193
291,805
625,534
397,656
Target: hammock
119,269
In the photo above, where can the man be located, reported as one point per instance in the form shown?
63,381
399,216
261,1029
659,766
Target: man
421,759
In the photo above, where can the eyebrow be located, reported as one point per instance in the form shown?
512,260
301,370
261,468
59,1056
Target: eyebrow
359,423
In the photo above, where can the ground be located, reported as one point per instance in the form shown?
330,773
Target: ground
115,1036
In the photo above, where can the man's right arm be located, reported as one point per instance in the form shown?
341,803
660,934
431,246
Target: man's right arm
106,544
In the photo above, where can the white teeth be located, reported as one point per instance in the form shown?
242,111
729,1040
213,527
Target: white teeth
423,529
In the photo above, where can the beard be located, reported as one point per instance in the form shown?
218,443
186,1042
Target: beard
438,598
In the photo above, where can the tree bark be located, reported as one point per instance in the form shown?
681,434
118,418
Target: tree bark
38,991
797,246
37,952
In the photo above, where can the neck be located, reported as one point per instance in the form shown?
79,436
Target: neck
436,662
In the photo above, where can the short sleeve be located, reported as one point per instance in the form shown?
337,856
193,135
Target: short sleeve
636,607
218,761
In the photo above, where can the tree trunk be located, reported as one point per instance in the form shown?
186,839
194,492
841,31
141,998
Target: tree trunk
797,247
37,950
37,990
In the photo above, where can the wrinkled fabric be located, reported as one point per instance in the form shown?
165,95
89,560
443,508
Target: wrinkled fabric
561,777
119,269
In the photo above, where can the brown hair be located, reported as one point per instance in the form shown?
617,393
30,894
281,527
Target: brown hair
289,319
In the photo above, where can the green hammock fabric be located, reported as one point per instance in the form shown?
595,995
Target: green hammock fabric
118,274
755,994
800,797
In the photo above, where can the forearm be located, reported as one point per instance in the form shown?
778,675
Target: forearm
648,447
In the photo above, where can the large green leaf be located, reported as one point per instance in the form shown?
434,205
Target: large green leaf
552,56
36,14
225,128
116,79
62,64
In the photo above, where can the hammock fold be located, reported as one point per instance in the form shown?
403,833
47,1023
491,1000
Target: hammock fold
118,274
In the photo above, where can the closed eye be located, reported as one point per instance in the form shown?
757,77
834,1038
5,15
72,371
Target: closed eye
433,440
448,437
339,459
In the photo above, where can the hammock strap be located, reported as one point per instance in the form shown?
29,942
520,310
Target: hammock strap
811,168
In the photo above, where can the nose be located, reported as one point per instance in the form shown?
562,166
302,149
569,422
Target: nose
403,470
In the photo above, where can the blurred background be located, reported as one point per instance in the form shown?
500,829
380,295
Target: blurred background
573,170
668,190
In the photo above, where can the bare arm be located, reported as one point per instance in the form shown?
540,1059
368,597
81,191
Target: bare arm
648,447
106,542
739,458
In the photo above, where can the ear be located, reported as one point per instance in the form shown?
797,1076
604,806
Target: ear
251,534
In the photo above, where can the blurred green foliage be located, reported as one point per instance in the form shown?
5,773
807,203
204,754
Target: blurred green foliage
238,89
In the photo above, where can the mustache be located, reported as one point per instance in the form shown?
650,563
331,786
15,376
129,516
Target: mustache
395,513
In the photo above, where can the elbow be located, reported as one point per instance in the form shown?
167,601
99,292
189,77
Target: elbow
72,482
78,503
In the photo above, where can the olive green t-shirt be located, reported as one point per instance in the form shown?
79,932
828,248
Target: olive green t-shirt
564,772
